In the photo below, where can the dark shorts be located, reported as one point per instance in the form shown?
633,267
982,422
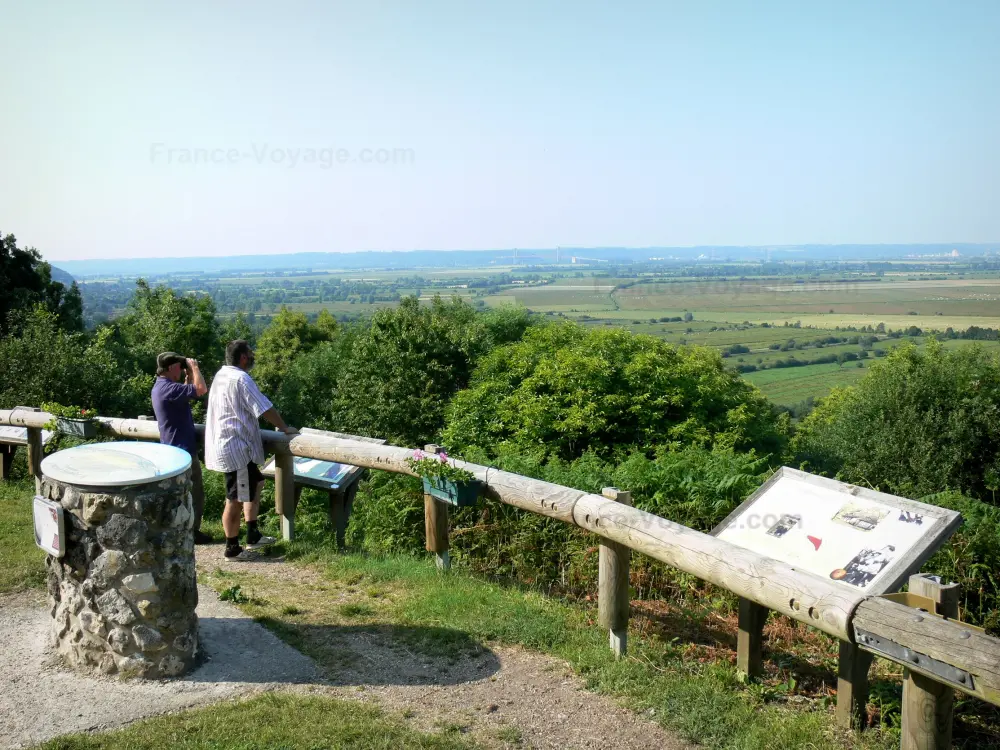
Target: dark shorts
250,478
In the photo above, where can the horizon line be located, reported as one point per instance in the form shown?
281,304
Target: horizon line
543,249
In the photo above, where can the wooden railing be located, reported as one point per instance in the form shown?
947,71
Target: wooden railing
939,654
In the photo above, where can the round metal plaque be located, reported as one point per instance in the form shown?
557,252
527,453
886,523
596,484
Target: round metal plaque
116,464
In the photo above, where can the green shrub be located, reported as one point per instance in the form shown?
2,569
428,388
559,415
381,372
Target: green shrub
920,422
972,557
695,486
572,390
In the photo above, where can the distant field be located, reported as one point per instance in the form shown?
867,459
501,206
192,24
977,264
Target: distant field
792,385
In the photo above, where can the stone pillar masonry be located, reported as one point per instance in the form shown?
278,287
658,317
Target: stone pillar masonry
123,596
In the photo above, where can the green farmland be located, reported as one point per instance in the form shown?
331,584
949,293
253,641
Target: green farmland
793,385
774,317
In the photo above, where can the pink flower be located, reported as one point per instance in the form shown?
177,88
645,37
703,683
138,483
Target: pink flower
443,457
418,454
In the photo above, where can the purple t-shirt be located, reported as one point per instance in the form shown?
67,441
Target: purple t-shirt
172,407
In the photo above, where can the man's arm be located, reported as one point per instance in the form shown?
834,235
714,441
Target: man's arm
195,378
272,416
262,406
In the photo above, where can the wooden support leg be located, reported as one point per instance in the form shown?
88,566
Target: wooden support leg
284,493
35,452
35,448
927,713
338,515
928,705
436,528
612,586
852,686
436,523
6,460
750,639
349,496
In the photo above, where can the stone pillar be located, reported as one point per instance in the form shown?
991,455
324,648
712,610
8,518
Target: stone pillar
123,595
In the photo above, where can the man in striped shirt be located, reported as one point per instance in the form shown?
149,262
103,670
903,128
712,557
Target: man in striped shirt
233,444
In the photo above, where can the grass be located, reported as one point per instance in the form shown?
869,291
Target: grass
22,564
453,615
273,720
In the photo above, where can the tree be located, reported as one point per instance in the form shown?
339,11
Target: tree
920,422
26,281
289,335
397,376
567,389
240,326
47,363
159,319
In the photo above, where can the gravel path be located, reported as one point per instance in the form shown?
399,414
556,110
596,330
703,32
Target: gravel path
41,700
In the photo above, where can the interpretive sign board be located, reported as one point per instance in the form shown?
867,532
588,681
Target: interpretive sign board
862,538
19,435
50,526
326,475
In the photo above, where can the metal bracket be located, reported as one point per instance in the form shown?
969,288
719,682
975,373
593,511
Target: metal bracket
919,662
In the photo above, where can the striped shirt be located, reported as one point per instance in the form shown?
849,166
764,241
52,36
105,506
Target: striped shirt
232,434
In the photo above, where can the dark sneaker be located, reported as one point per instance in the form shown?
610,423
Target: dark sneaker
238,554
200,537
259,541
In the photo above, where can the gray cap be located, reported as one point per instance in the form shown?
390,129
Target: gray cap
165,359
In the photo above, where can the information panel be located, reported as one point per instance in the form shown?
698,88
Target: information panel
324,474
327,475
50,526
19,435
864,539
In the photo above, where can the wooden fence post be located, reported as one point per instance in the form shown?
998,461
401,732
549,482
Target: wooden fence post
612,585
928,705
436,523
284,493
852,685
35,448
750,638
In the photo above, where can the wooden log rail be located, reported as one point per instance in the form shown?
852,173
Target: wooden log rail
870,624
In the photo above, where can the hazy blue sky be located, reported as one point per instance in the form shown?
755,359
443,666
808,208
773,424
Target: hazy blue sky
520,124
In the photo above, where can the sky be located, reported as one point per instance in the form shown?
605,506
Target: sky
135,130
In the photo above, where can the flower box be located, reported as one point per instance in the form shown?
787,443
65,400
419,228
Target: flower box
85,428
459,494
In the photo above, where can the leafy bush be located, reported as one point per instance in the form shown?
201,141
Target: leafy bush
972,557
694,486
920,422
572,390
45,363
403,369
289,335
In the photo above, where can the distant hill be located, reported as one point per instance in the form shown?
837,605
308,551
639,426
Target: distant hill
480,258
62,276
